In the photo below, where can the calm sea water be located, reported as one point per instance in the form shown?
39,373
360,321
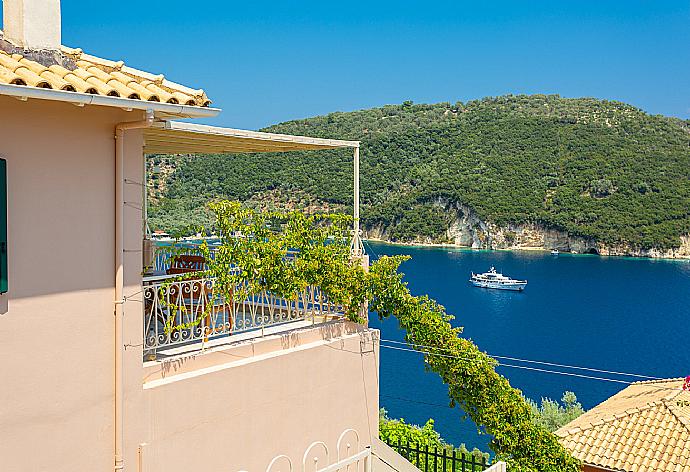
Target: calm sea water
620,314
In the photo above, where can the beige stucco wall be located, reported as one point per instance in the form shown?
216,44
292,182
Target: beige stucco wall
238,407
56,339
227,409
32,23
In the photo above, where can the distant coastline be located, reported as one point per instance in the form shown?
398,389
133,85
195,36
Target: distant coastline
418,244
469,231
456,246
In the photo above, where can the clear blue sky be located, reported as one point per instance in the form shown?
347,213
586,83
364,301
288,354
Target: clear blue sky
265,62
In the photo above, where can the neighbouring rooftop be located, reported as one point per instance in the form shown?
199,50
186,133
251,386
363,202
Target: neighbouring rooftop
643,428
72,70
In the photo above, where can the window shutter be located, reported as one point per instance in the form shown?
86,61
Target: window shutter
3,226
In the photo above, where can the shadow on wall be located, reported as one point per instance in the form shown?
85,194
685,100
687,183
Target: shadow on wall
61,194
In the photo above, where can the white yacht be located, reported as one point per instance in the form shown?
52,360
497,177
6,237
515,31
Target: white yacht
496,280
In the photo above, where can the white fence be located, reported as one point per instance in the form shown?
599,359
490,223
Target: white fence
349,457
178,312
497,467
162,255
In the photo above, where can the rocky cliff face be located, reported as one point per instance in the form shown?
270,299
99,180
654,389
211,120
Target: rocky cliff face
468,230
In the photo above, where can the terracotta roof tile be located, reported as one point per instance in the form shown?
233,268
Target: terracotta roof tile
643,428
84,73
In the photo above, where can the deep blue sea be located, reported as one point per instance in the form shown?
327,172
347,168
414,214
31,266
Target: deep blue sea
612,313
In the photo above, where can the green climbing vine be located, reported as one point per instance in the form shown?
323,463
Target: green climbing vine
473,383
286,253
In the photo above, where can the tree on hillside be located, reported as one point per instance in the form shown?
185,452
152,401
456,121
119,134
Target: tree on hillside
552,415
595,169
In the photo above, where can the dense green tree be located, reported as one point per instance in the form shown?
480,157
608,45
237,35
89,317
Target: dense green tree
252,258
397,431
552,415
594,168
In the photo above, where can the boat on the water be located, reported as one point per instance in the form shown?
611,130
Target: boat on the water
555,252
496,280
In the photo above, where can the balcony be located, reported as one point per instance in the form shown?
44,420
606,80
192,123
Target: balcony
183,313
187,314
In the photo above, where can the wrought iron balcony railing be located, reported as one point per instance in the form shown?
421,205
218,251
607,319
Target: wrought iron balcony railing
161,258
183,312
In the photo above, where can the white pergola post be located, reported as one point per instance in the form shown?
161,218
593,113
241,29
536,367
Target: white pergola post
145,200
357,246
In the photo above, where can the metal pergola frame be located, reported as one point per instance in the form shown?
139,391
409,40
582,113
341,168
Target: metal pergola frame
174,137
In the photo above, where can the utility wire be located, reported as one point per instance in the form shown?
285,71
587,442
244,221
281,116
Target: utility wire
550,364
501,364
367,243
419,402
536,369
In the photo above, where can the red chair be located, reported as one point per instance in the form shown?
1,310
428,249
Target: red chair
185,264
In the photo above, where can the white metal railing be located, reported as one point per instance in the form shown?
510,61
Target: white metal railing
162,258
497,467
350,457
179,312
161,262
363,457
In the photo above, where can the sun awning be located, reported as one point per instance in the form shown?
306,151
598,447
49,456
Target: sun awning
173,137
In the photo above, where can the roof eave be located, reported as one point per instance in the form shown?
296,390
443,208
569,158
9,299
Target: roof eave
260,135
162,110
173,137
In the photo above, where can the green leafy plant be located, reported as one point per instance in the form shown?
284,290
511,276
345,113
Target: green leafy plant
254,255
287,254
397,431
596,169
551,415
473,383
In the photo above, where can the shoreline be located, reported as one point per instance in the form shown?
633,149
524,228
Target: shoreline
468,248
465,248
517,249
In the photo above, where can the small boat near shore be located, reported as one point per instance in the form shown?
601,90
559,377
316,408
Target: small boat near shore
555,252
496,280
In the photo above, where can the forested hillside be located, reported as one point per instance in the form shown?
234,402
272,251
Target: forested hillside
595,169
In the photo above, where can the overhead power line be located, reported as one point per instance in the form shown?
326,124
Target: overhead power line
535,369
502,364
529,361
419,402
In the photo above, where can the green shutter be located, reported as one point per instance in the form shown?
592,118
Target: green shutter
3,226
